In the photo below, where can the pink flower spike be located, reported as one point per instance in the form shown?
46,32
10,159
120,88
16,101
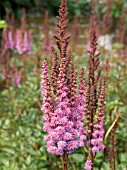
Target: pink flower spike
11,41
19,41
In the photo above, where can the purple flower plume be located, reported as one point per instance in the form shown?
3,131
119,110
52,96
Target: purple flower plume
63,124
63,102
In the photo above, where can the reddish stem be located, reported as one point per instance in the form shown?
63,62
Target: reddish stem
65,161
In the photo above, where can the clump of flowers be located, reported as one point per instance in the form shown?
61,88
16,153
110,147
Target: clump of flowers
19,39
23,41
63,102
66,103
8,34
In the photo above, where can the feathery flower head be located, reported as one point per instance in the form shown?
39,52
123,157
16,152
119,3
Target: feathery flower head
11,40
63,102
95,97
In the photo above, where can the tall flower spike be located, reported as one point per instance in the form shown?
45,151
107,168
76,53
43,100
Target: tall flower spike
61,39
11,40
80,108
27,42
98,132
63,118
47,106
94,107
19,41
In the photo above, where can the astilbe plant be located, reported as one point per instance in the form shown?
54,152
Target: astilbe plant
17,39
14,39
8,34
23,36
95,99
63,102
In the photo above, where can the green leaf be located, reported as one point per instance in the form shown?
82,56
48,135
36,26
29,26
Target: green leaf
105,166
8,150
78,157
123,158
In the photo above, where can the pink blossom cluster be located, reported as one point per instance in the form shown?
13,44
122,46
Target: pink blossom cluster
98,135
62,121
19,40
8,39
96,141
23,41
88,164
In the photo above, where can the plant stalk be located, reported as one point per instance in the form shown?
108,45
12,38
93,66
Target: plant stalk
65,161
